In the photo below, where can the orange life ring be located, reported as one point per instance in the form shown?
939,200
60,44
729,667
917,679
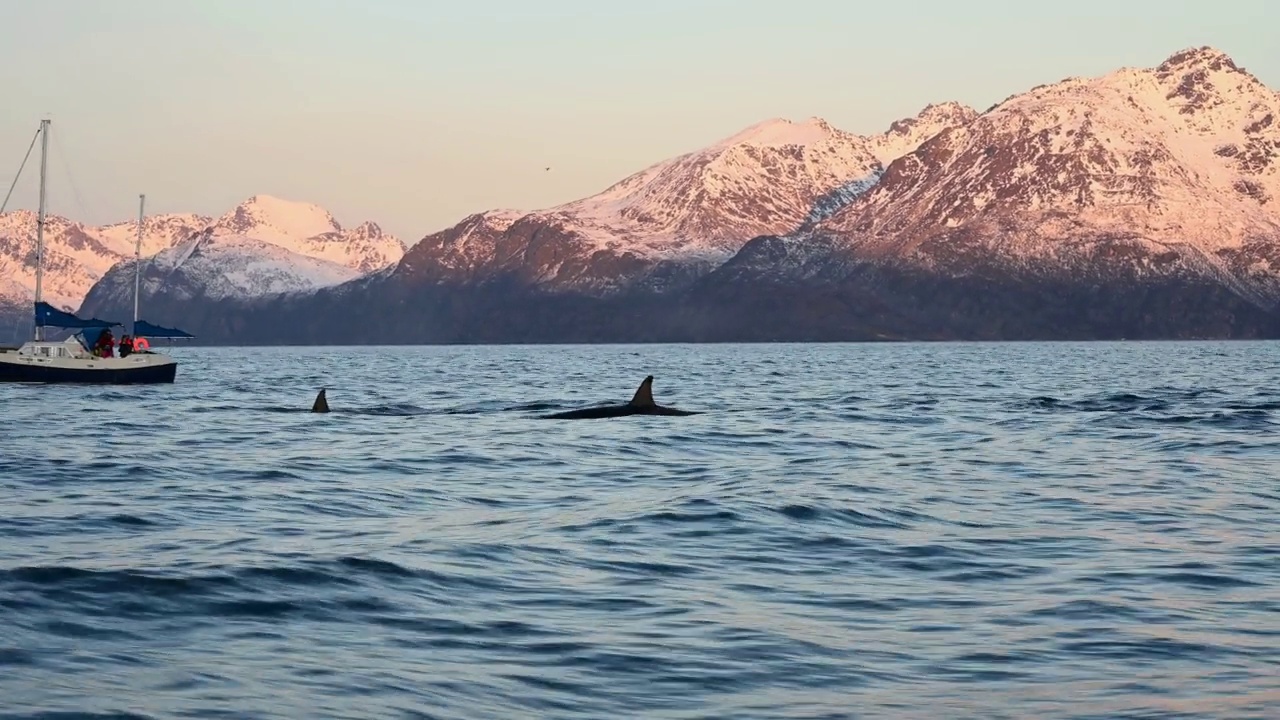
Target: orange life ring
141,344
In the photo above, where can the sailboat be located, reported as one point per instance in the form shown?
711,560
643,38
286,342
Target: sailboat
72,360
142,329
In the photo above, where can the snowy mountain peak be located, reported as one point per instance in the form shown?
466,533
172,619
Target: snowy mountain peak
368,230
1200,58
1187,152
905,135
705,204
1211,92
934,115
276,220
309,230
780,132
365,248
371,234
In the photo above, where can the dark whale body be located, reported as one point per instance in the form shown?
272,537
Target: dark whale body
641,404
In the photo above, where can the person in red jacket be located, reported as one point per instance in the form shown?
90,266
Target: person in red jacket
105,345
126,346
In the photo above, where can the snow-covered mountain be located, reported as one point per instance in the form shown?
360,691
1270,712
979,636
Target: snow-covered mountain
679,218
212,266
1183,155
1143,203
1165,177
282,231
159,232
264,247
308,229
76,255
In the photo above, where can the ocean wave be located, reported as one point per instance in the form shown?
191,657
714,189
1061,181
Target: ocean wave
977,524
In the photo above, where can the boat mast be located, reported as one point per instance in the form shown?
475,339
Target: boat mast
137,264
44,163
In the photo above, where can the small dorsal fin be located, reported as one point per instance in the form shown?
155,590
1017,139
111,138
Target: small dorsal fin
644,394
321,404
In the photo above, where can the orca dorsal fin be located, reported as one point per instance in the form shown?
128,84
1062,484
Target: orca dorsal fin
321,404
644,394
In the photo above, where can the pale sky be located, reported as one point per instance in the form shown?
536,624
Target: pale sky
416,113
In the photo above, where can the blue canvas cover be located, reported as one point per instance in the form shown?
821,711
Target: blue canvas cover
50,316
142,328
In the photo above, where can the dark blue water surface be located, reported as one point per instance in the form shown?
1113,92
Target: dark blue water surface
917,531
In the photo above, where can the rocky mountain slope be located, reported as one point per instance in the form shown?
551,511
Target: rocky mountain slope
1157,190
678,219
1183,155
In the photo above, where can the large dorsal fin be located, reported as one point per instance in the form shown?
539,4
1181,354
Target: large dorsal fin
321,404
644,394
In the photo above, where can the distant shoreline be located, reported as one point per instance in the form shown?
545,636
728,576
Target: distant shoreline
161,346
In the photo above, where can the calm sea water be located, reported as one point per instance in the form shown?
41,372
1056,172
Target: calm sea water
916,531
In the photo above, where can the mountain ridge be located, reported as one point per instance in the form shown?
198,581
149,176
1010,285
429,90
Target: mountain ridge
1140,203
677,218
78,255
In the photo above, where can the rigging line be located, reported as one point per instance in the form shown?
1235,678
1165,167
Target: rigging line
15,177
66,167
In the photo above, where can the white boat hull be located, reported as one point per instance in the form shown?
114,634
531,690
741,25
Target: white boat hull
48,362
